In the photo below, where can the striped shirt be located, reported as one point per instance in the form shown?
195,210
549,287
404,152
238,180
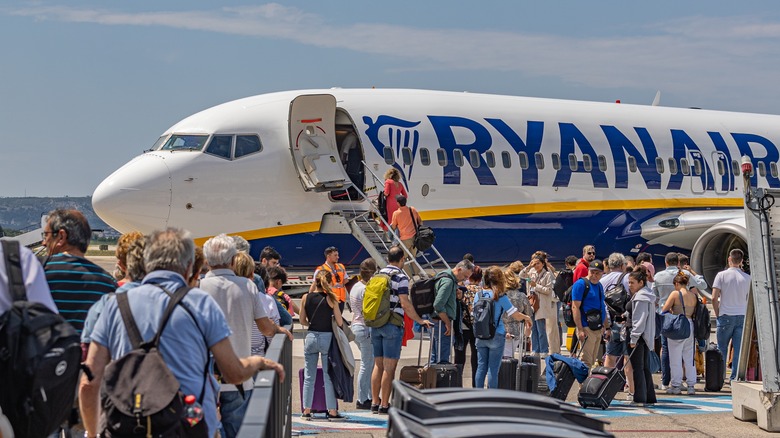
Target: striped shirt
76,284
399,285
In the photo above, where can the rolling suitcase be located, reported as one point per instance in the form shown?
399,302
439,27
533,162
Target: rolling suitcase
601,387
714,370
564,379
318,404
507,374
412,374
528,372
441,375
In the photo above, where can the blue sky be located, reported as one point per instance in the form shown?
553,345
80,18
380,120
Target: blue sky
87,85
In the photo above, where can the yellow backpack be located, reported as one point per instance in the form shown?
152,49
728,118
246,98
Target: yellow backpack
377,309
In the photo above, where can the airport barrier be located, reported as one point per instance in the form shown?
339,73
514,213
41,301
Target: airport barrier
269,413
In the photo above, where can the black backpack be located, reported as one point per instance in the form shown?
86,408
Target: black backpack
617,296
563,281
702,324
40,355
140,396
423,294
485,322
568,313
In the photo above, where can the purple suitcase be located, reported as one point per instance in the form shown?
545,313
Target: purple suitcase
318,404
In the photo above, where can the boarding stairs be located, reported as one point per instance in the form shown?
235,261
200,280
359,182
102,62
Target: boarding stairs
366,226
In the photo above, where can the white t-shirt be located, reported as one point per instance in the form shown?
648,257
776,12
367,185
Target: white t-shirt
734,285
34,281
356,302
608,280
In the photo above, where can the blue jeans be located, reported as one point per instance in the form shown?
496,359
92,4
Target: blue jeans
441,342
317,344
233,409
363,341
729,328
539,337
666,369
489,353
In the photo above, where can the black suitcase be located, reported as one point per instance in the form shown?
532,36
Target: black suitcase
527,377
564,379
507,373
714,370
447,375
601,387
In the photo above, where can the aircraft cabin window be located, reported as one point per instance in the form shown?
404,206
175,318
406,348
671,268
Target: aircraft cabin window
697,166
406,154
761,168
721,166
773,169
587,164
539,160
158,144
632,164
506,159
387,153
659,165
672,166
179,142
490,158
523,157
474,158
556,161
425,156
247,144
220,146
573,162
441,155
735,167
602,163
457,156
685,168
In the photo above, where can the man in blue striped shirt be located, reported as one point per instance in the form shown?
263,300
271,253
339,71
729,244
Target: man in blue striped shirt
75,282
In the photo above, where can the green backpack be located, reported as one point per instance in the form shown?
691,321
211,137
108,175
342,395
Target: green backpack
377,310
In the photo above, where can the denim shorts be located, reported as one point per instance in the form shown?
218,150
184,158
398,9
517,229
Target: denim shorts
615,346
386,341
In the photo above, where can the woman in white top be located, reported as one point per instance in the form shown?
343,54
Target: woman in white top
362,334
681,350
544,338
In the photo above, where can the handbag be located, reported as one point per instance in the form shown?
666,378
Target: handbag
423,236
676,326
534,300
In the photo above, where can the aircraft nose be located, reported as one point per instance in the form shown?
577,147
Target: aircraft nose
136,197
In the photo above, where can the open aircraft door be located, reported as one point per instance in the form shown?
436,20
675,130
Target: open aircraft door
313,143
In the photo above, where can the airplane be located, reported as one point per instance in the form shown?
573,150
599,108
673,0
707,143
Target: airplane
495,176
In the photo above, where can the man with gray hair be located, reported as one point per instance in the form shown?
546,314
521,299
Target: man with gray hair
445,306
75,282
196,327
243,306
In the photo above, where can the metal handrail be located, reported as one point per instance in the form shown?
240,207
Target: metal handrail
269,413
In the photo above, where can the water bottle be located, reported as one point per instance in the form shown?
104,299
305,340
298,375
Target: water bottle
193,411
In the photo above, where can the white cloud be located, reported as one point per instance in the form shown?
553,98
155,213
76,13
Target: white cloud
697,54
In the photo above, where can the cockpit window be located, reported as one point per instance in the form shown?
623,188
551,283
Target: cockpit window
220,146
185,142
158,143
247,144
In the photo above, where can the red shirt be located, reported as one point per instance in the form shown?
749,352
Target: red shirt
581,270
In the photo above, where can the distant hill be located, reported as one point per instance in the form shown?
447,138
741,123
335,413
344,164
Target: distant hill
25,213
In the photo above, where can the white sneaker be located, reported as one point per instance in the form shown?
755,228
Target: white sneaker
691,390
630,397
674,390
662,387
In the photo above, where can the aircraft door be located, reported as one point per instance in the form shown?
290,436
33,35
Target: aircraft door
698,171
313,143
